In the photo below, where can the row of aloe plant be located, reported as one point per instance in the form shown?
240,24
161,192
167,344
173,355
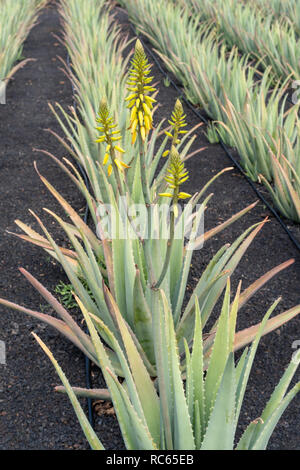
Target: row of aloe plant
247,113
273,41
16,20
180,383
290,10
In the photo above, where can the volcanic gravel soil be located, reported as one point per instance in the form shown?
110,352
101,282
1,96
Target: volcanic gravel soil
32,415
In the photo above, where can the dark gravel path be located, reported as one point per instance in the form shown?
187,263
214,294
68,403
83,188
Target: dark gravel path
31,415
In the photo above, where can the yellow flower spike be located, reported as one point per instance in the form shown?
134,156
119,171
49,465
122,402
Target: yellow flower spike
177,122
107,126
109,169
176,173
139,82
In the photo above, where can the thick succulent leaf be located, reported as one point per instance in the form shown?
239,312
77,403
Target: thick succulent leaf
143,382
198,379
182,431
163,366
214,231
244,442
76,219
255,286
142,319
90,434
134,432
93,393
219,354
263,437
247,335
61,311
220,430
59,325
277,396
113,308
244,376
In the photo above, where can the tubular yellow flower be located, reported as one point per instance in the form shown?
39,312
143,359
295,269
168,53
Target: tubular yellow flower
106,157
177,122
176,175
110,135
139,101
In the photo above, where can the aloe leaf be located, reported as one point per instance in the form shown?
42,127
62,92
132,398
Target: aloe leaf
214,231
277,396
76,219
183,432
93,393
243,380
255,286
262,440
219,354
219,434
162,360
132,426
142,319
198,377
144,384
247,335
244,442
61,311
90,434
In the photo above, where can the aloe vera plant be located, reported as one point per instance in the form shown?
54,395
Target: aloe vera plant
132,264
16,20
271,40
197,411
247,114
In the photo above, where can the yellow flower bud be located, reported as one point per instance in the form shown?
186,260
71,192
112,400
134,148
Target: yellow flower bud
134,135
106,157
184,195
143,133
169,134
119,149
109,169
141,119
